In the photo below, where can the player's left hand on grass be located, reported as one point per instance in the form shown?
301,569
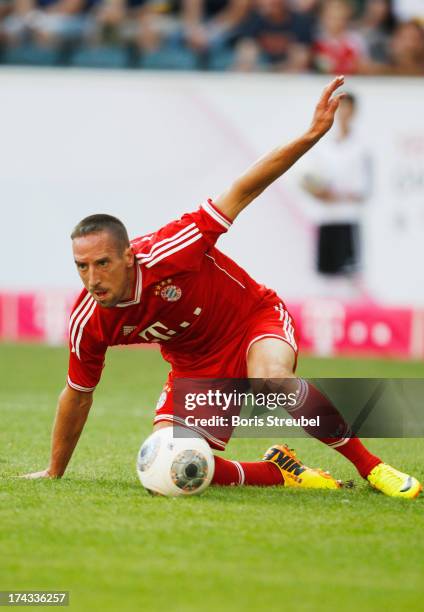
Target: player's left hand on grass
326,108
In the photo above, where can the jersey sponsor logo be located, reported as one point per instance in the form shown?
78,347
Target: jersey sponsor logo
156,332
128,329
168,291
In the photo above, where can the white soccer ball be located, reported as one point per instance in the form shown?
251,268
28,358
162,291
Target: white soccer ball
171,463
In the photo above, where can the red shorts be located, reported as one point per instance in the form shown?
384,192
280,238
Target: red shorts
270,321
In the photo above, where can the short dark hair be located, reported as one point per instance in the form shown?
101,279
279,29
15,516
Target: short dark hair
103,223
351,98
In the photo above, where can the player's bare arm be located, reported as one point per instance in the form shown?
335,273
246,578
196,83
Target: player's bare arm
273,165
72,412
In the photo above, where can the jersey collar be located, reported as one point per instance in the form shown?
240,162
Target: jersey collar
137,293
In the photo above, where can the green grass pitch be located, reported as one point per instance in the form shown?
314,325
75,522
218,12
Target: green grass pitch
97,534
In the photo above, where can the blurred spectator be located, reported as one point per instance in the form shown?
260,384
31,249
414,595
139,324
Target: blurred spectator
338,49
208,22
304,6
6,7
49,23
142,23
247,57
408,10
339,181
201,26
330,36
110,19
407,49
376,27
282,36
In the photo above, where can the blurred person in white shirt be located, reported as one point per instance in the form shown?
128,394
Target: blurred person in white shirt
339,182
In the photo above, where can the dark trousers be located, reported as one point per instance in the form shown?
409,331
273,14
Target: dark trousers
338,248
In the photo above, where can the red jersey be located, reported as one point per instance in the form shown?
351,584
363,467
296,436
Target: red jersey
188,297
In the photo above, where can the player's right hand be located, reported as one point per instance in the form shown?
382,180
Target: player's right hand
326,108
35,475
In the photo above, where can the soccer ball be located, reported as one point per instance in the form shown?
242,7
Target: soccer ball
174,461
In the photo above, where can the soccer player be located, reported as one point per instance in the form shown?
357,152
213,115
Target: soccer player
211,319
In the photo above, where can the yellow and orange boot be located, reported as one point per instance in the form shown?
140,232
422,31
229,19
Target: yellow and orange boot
296,474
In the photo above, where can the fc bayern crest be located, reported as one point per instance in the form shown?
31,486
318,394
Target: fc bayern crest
168,291
171,293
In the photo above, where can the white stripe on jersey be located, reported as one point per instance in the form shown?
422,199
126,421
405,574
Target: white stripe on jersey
183,245
166,247
285,323
79,388
165,241
215,215
225,271
288,326
77,345
280,310
77,321
77,310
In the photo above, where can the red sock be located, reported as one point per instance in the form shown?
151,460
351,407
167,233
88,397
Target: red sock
311,403
259,473
355,451
333,431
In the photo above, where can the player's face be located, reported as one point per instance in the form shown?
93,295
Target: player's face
106,273
345,112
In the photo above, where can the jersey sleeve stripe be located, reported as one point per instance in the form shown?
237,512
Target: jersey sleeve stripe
78,309
77,321
289,329
174,250
78,387
218,211
166,241
216,215
165,247
77,344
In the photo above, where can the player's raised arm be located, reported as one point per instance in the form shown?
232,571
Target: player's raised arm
72,411
273,165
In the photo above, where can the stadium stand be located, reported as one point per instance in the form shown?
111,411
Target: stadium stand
288,36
